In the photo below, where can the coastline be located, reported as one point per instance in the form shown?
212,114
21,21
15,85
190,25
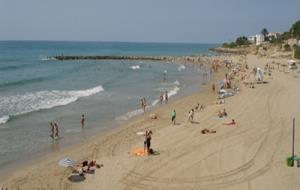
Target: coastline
251,154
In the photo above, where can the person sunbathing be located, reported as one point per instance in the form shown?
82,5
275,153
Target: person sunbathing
230,123
206,131
92,166
220,115
224,113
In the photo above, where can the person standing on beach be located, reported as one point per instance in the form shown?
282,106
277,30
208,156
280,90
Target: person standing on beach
56,129
51,130
166,97
161,97
82,120
145,140
148,141
144,104
173,117
213,87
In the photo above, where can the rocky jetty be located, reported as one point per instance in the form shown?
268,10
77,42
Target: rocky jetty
112,57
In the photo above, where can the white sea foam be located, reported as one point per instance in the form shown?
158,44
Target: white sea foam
176,82
129,115
29,102
181,67
133,113
155,102
4,119
134,67
47,58
174,91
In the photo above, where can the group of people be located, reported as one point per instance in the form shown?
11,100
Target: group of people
199,107
86,167
163,96
222,114
54,129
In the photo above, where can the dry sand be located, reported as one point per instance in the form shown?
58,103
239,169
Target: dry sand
250,155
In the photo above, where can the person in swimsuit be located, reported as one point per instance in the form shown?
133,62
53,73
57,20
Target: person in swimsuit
148,141
56,129
166,97
82,120
145,140
161,97
51,130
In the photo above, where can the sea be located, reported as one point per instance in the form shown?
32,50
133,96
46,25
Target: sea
36,90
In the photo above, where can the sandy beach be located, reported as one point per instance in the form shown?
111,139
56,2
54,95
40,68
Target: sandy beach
249,155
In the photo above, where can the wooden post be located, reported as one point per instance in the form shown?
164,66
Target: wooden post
293,147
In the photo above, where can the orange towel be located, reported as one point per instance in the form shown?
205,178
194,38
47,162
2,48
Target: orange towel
138,152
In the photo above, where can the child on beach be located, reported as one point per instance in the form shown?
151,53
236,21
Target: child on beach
173,117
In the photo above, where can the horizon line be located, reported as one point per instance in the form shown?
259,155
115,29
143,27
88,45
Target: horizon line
154,42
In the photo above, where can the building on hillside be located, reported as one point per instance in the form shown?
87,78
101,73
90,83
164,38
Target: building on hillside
273,35
259,39
251,39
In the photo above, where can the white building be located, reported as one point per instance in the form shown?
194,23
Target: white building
259,39
273,35
251,39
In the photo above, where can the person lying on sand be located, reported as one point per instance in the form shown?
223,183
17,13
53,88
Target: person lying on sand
206,131
92,165
220,114
222,101
230,123
86,166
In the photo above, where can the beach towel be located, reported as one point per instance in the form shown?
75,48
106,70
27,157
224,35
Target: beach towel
138,152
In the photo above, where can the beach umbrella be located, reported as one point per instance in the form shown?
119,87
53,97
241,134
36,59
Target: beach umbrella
66,162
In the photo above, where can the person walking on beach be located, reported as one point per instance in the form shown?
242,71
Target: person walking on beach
56,130
166,97
51,130
161,97
173,117
82,120
213,87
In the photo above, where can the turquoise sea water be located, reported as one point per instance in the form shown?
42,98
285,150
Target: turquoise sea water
35,90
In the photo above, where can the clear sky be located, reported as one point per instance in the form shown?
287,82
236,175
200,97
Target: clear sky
143,20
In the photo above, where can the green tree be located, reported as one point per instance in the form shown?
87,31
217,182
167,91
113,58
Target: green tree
242,40
295,30
264,32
